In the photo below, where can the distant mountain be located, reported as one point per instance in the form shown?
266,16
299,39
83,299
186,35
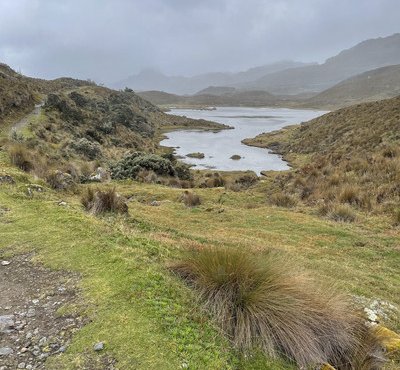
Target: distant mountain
364,56
150,79
378,84
235,98
216,90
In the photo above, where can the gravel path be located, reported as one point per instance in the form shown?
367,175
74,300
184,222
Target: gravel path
31,330
24,121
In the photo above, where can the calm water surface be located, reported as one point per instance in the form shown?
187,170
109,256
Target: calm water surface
218,147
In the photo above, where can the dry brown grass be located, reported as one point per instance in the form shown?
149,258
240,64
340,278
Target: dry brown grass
103,201
283,200
265,302
21,157
190,199
341,213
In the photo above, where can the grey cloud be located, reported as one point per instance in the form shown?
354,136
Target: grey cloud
106,40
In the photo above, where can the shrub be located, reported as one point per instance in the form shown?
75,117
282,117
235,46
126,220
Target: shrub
242,182
99,202
131,165
190,199
266,303
283,200
87,148
342,213
21,158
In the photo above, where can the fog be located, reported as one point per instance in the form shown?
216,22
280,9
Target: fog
109,40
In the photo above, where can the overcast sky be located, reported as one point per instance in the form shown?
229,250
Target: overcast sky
107,40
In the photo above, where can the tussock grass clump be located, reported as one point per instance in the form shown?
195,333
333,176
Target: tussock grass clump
266,303
20,157
350,195
342,213
190,199
283,200
103,201
396,217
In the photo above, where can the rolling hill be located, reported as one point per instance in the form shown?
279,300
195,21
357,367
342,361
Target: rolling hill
378,84
367,55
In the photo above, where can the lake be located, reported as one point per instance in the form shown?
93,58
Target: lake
219,146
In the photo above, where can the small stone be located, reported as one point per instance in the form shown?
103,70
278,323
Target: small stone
371,315
98,346
5,351
21,365
35,301
42,341
6,323
29,367
31,312
29,335
62,349
24,349
155,203
5,263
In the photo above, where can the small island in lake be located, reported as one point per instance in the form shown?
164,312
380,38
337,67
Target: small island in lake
195,155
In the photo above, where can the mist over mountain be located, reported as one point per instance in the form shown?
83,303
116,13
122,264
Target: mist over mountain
151,79
367,55
283,77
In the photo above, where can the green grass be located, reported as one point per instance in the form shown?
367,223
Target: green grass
147,317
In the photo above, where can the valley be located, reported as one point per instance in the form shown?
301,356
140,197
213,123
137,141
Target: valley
244,220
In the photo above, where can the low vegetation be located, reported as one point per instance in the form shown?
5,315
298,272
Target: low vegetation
347,157
99,201
190,199
264,302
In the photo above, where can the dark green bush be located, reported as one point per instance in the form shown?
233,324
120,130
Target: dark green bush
87,148
130,166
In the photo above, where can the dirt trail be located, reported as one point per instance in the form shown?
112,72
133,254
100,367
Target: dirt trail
31,330
25,120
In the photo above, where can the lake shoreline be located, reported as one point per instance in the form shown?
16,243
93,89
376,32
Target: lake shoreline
220,146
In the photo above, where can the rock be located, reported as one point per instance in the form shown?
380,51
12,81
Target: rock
197,155
5,351
6,179
98,346
6,323
31,312
42,341
35,301
5,263
371,315
62,203
21,365
29,367
62,349
155,203
100,175
60,180
236,157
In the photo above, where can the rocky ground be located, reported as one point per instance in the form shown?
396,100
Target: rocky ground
31,329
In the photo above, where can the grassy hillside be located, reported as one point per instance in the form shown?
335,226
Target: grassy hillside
134,245
378,84
146,316
367,55
350,156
